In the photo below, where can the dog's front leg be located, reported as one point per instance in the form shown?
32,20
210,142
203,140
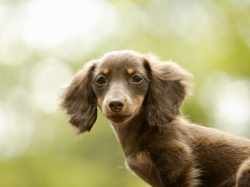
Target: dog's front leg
176,165
142,166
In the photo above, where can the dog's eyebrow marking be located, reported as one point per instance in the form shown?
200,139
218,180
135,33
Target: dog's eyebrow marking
130,70
105,71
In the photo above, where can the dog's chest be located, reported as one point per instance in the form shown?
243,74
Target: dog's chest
139,160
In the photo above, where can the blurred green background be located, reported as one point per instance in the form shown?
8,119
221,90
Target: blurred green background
44,42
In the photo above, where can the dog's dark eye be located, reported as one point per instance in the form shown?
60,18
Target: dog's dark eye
136,79
101,80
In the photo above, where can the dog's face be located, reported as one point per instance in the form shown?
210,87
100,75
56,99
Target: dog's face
124,84
120,86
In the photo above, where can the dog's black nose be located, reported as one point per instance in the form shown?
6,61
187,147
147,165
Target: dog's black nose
116,105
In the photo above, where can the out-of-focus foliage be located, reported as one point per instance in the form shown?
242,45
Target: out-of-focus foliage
44,42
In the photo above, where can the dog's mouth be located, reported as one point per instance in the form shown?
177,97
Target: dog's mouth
118,118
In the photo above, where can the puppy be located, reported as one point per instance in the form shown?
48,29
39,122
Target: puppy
141,97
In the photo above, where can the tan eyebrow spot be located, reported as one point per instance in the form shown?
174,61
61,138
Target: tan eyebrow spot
105,71
130,70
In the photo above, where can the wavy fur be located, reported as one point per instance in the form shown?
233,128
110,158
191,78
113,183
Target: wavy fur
141,96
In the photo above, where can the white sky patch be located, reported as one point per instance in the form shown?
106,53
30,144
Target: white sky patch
191,20
52,22
3,120
233,107
47,77
16,131
234,104
228,101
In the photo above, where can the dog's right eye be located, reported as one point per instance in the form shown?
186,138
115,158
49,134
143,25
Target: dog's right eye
101,80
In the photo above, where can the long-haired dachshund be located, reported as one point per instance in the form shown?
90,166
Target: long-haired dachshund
141,97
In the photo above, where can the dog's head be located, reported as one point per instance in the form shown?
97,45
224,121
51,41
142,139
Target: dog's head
124,84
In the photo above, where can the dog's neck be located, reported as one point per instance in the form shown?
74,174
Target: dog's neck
128,133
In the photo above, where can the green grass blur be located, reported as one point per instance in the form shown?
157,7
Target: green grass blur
44,42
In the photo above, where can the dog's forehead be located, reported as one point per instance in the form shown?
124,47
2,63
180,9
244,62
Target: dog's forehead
120,61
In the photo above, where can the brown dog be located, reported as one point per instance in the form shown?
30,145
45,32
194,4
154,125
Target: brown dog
141,97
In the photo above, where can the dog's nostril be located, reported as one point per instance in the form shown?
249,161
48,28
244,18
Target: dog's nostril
116,105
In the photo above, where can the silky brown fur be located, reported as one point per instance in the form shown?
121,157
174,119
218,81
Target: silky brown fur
141,97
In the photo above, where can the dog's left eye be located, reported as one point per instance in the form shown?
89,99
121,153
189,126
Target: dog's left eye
101,80
136,79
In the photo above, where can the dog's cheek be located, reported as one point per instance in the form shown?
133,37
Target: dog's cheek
138,100
141,89
100,101
98,94
103,105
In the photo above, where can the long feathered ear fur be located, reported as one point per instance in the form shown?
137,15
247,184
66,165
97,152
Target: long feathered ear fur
169,85
79,101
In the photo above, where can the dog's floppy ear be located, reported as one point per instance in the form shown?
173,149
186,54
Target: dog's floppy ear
78,99
168,87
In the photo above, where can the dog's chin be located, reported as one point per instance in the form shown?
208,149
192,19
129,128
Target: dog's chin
118,118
